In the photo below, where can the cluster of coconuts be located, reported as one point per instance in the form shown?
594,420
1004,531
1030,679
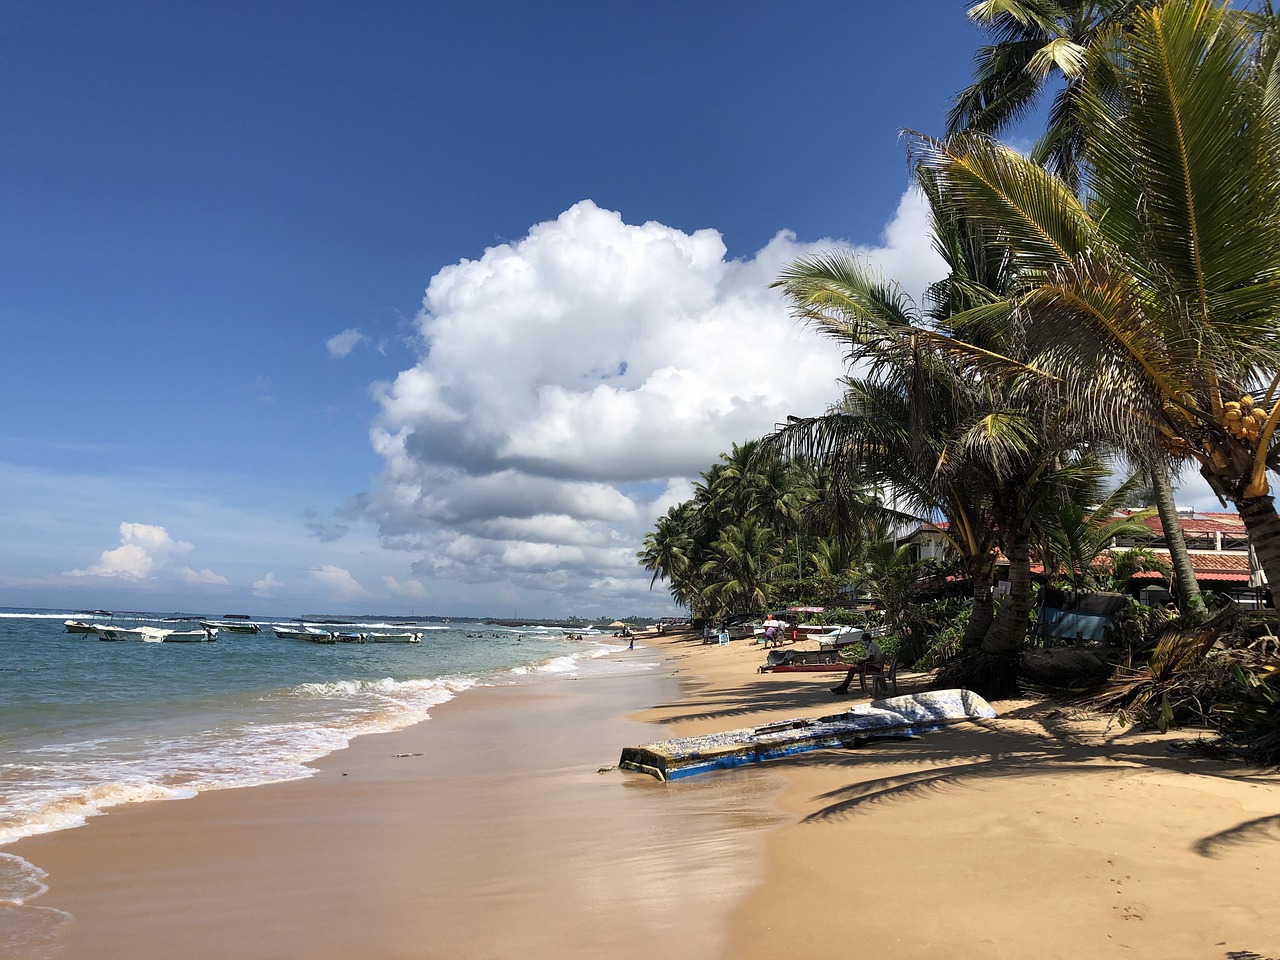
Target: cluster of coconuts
1243,418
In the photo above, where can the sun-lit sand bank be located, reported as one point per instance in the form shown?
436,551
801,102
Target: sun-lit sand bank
492,831
1039,834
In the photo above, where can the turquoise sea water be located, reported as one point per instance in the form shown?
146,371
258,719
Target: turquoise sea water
87,724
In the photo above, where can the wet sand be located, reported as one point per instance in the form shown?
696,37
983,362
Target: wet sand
486,831
491,831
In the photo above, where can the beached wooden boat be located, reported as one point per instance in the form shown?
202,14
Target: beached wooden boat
822,666
777,658
894,717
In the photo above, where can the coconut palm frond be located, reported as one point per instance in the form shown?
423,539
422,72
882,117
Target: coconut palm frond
1029,208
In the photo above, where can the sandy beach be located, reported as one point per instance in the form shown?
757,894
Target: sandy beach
500,828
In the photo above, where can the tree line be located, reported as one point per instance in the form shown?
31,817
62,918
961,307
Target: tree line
1112,301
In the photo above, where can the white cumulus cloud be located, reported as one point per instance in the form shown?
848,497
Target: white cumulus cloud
143,549
572,383
342,585
201,576
410,589
268,586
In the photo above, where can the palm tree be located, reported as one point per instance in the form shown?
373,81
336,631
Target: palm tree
1032,41
744,559
1153,309
971,449
669,553
1075,536
1127,564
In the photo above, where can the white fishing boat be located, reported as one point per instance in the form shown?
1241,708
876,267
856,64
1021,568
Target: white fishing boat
406,637
85,626
144,634
312,634
232,623
190,636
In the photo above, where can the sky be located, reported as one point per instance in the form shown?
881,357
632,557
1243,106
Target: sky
422,307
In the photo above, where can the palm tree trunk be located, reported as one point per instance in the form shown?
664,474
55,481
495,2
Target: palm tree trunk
1262,522
1184,575
1009,631
984,608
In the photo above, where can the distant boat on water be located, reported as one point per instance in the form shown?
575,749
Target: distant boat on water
154,634
312,634
85,626
406,637
232,623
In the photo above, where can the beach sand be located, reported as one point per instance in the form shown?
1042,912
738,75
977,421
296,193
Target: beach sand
492,830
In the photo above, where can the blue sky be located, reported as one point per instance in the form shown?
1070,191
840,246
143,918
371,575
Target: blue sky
223,389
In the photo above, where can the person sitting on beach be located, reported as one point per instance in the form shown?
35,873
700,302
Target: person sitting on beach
874,658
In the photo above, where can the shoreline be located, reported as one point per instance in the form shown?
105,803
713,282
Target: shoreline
484,831
492,829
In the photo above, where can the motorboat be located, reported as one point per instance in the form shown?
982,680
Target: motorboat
85,626
190,636
232,623
311,634
407,637
144,634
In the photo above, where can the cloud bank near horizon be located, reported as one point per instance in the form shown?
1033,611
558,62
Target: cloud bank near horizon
571,384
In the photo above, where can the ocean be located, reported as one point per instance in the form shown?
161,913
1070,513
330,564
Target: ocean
86,725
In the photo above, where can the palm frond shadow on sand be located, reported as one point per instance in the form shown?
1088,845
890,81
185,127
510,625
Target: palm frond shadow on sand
1024,740
991,750
1263,829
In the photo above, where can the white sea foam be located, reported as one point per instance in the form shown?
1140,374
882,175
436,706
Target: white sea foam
131,726
20,880
94,775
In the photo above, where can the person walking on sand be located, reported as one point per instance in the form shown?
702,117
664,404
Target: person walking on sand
632,644
874,657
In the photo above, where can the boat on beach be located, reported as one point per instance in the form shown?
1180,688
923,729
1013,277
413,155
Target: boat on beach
905,716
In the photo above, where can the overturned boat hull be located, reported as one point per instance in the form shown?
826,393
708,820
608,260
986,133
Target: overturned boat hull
894,717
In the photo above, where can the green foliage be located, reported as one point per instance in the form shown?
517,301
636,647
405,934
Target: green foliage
1252,717
945,641
815,590
1179,680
